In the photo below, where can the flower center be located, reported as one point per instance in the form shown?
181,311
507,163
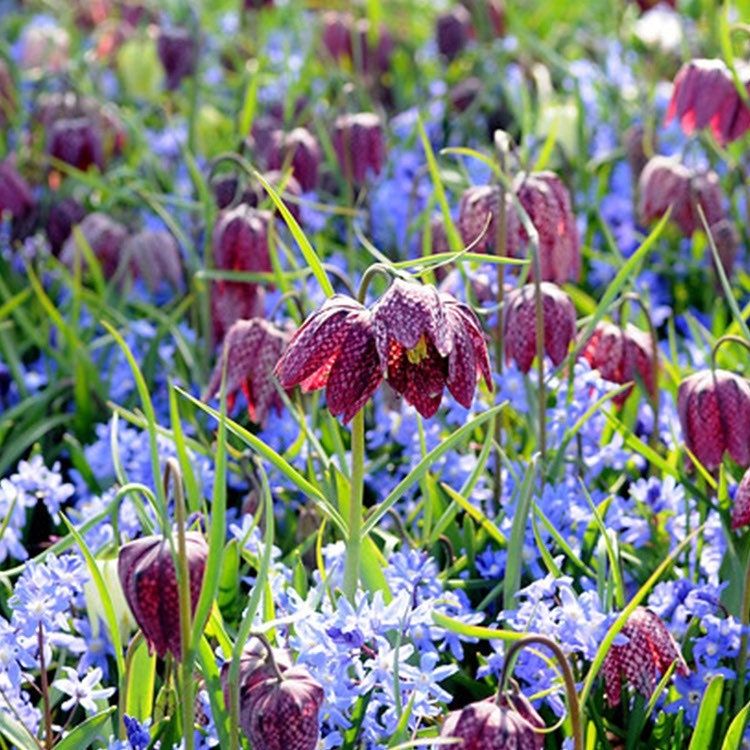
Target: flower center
419,352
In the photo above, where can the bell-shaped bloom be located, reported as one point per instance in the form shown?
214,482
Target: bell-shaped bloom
727,240
240,243
464,93
665,182
494,723
15,193
360,145
714,411
373,52
705,96
149,580
741,506
63,216
154,256
453,31
251,348
429,341
547,202
300,150
178,53
520,324
420,339
283,714
77,142
105,237
622,355
648,653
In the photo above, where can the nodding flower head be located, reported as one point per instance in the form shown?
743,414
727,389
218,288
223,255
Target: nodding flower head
705,96
419,339
509,721
360,145
453,31
251,348
149,581
178,53
300,150
520,324
714,411
648,653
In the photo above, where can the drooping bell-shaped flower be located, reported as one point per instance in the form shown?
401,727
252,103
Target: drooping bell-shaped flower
149,580
178,54
648,653
622,355
15,194
495,724
453,31
741,506
420,339
520,324
300,150
154,256
665,182
240,243
714,411
705,96
63,216
78,142
251,348
360,145
105,237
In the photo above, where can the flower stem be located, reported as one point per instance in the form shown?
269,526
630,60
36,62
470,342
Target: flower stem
135,641
739,695
354,536
45,690
574,707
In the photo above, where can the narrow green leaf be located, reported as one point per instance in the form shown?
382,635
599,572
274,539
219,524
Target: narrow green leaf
707,713
733,738
139,696
86,732
515,557
15,732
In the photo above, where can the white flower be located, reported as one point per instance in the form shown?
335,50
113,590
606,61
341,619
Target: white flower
82,691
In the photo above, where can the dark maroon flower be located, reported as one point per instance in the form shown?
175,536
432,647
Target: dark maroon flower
705,95
429,341
547,202
63,216
714,411
494,723
225,189
479,204
360,145
8,96
665,182
149,581
634,140
421,340
727,240
252,349
240,243
622,356
284,184
741,506
15,194
178,53
372,55
453,31
77,142
649,652
645,5
283,714
105,237
520,324
153,256
300,150
463,94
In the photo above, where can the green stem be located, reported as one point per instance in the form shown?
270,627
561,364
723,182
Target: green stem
739,696
354,536
45,690
135,641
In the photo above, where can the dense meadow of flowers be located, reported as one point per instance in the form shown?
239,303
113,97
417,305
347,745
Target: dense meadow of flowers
372,375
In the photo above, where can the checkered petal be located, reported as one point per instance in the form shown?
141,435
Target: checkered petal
741,507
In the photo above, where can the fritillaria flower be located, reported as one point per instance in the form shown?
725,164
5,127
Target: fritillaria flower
622,355
301,150
705,96
240,243
8,96
15,194
105,237
419,339
153,256
62,217
149,580
78,142
714,411
496,723
340,30
251,348
520,324
665,182
649,652
178,53
453,31
547,202
360,145
741,507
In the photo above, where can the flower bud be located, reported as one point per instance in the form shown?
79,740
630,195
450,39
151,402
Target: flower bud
104,236
77,142
15,194
155,258
178,53
453,31
63,216
714,411
520,324
495,723
479,204
360,145
301,151
149,580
